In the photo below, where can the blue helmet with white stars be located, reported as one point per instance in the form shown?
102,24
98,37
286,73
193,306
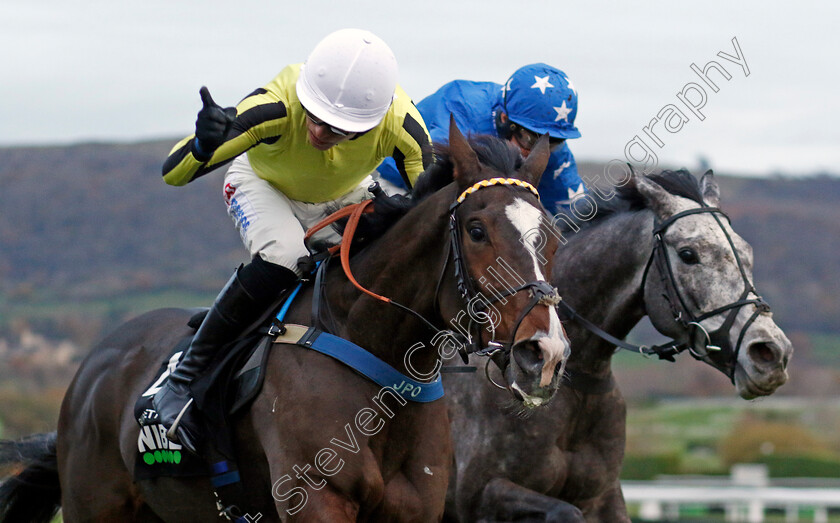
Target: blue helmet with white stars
542,99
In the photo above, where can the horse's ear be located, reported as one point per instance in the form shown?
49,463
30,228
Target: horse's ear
537,160
660,201
463,157
711,191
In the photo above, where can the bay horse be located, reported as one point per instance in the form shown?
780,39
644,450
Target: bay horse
389,461
661,248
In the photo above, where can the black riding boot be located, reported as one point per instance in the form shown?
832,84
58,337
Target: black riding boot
251,289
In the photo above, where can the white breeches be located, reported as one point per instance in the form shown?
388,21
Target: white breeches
273,225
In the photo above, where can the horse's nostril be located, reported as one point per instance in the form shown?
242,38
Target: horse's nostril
528,356
762,353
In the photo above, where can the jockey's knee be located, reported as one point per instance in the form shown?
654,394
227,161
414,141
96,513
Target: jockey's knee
284,256
263,276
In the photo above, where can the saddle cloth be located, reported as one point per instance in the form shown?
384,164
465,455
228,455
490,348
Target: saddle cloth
233,381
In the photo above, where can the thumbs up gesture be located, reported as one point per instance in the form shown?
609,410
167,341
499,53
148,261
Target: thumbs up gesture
212,125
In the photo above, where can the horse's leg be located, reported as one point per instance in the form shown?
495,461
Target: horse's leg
610,507
292,498
503,500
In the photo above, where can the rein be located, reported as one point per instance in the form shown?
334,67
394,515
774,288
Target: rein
665,352
354,213
542,293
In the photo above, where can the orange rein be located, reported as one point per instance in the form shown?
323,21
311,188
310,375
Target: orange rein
355,213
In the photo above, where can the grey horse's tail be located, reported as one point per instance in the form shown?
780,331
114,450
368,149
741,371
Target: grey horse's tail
32,493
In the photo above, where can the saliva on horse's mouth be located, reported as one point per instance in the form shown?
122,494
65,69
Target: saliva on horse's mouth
529,401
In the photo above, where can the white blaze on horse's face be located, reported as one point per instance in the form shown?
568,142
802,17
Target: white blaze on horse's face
552,343
708,275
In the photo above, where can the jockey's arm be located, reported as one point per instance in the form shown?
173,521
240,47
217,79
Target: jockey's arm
261,116
411,152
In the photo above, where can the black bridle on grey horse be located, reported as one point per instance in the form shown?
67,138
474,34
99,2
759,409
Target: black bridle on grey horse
716,348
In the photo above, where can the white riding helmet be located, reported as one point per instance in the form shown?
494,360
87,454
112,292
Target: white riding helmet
349,79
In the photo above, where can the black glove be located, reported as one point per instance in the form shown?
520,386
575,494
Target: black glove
392,207
386,211
212,125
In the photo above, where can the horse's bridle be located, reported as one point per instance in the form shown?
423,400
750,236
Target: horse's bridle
717,341
541,292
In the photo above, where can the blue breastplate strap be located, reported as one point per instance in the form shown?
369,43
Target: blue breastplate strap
363,362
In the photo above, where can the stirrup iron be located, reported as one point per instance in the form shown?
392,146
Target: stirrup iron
171,434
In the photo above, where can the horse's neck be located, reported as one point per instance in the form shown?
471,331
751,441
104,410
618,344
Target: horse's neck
403,266
601,272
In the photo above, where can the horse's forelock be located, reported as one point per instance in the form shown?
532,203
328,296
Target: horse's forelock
496,153
680,183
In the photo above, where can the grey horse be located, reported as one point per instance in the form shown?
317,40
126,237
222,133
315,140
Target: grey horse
661,248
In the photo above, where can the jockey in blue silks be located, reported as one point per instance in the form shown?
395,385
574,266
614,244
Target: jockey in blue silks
536,99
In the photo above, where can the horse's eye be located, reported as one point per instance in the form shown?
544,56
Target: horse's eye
688,256
477,233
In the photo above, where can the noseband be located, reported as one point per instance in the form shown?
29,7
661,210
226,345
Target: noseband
717,341
541,292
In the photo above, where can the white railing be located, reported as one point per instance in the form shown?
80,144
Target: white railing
744,497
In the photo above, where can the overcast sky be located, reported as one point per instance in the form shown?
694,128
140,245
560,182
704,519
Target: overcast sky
73,71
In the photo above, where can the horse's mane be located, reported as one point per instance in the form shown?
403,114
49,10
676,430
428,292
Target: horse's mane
493,152
629,199
501,156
